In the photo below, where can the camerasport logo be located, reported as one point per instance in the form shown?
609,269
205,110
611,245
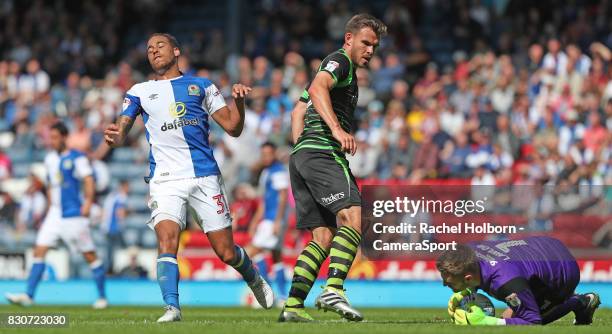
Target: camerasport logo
332,198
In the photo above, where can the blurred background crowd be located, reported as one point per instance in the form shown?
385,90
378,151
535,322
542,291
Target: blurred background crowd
491,92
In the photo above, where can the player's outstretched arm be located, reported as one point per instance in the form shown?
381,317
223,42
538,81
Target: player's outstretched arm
115,134
297,120
319,95
232,119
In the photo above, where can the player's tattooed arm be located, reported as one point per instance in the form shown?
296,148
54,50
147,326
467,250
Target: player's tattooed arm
115,134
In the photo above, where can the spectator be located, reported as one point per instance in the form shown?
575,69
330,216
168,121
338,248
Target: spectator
133,270
33,206
243,207
5,166
113,222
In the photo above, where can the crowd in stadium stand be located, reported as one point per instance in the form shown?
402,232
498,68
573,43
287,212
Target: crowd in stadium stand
503,92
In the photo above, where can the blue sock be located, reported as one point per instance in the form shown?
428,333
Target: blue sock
242,263
262,266
97,268
36,274
280,279
168,277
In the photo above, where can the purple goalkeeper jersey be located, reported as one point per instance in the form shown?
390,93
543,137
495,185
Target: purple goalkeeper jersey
531,275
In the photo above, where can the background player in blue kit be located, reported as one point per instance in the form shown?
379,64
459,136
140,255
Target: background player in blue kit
270,221
536,277
71,189
183,172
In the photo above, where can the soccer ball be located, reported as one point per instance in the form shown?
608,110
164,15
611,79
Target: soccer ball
479,300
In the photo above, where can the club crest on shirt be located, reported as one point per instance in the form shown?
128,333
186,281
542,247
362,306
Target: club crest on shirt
67,164
193,90
331,66
513,300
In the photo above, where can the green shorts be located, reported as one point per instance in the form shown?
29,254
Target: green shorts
322,185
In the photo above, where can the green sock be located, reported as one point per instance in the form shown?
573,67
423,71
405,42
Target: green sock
343,250
305,273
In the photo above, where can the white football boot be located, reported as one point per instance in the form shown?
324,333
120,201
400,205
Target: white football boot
100,304
263,292
20,299
332,299
172,314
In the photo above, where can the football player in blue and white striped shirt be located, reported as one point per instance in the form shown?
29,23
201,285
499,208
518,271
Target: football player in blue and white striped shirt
176,110
71,189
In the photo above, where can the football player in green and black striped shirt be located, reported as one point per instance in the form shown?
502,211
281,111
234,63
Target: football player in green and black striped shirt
327,199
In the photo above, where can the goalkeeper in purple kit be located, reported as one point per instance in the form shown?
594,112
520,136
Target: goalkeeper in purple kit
536,277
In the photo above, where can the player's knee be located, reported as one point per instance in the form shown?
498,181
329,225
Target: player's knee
323,238
40,252
227,255
349,217
168,242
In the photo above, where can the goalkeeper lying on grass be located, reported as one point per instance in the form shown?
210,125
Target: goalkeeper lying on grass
535,277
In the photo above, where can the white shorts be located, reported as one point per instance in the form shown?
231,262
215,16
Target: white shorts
265,238
73,231
203,197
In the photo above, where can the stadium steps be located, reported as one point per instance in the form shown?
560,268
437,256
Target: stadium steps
125,170
19,155
137,204
125,154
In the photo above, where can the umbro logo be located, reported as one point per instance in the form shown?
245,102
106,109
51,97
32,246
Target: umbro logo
153,96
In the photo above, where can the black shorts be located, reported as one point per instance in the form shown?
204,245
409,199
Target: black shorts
322,185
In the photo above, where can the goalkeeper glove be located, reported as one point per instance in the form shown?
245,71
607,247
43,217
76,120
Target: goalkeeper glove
455,300
475,316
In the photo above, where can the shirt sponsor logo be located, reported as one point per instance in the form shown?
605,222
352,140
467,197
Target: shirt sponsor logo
331,66
193,90
179,123
332,198
177,109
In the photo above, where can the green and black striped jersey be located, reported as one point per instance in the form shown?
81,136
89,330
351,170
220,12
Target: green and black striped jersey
343,96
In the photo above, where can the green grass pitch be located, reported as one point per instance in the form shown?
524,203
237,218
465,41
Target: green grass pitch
138,320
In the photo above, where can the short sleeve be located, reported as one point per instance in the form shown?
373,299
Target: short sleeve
305,97
82,167
213,99
280,180
131,104
337,65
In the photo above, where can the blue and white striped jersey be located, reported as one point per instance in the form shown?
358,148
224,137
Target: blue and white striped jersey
65,174
273,179
176,113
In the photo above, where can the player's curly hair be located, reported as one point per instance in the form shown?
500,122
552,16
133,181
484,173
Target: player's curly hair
60,127
460,261
360,21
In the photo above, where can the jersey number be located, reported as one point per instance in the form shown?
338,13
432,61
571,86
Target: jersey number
220,203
